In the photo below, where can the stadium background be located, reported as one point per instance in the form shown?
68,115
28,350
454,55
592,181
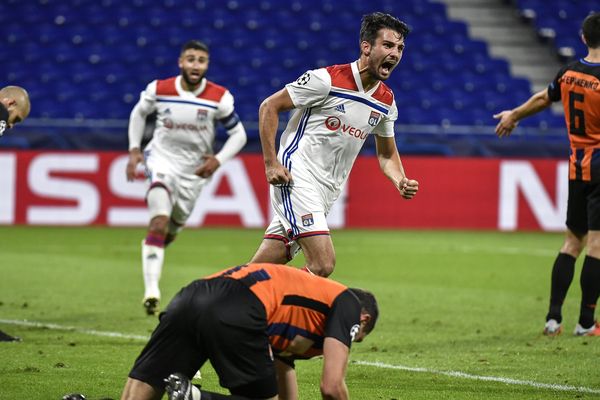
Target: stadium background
85,62
461,311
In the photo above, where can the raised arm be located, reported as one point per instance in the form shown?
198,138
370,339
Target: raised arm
510,118
268,121
391,166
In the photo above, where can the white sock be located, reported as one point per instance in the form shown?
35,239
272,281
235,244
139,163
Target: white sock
152,262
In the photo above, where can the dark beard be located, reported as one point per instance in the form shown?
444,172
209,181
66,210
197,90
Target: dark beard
188,81
374,74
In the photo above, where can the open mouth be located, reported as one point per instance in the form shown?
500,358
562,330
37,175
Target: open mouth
387,66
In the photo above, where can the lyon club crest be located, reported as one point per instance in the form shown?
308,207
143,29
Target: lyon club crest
307,220
202,115
374,118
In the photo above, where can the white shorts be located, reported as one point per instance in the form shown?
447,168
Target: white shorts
299,213
183,188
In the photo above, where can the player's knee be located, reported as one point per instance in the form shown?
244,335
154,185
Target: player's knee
159,201
593,245
159,225
272,251
322,268
572,248
273,258
323,271
327,269
573,244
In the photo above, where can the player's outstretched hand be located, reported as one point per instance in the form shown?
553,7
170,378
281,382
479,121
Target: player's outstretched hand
506,124
135,157
210,165
408,188
277,174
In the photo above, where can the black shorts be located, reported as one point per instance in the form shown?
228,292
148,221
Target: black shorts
583,210
219,320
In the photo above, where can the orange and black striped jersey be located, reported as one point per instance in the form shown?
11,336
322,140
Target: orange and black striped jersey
577,85
300,306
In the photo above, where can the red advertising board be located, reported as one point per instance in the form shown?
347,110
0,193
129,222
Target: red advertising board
89,188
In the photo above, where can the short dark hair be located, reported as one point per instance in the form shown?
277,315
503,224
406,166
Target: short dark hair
196,45
372,23
368,303
591,30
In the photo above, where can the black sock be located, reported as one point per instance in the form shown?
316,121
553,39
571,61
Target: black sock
590,290
562,275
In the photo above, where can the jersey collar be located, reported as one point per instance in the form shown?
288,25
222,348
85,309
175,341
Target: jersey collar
586,62
182,91
358,81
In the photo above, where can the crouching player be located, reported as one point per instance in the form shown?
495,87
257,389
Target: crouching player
252,322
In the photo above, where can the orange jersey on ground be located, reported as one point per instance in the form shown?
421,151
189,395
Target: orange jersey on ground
299,304
577,85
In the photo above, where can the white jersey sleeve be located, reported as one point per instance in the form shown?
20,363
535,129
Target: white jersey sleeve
137,120
385,127
225,107
310,89
147,102
227,116
236,141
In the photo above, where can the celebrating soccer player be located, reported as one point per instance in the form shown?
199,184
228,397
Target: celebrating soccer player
335,110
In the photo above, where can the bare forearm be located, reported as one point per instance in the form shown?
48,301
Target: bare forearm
335,360
268,121
392,168
533,105
339,393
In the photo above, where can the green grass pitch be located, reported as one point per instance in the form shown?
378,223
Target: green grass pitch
461,312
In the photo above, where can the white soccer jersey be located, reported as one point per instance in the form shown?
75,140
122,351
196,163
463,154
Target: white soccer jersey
333,118
186,121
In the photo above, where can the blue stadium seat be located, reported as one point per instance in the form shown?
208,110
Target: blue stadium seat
416,115
559,22
91,59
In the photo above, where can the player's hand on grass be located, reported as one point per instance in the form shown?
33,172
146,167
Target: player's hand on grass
408,188
210,165
277,174
506,124
135,157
